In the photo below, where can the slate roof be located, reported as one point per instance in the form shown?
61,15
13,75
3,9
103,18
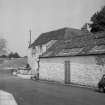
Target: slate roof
70,42
48,36
59,34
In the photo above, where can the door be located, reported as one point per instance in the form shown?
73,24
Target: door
67,72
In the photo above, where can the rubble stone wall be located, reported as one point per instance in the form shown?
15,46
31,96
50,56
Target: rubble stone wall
84,70
51,69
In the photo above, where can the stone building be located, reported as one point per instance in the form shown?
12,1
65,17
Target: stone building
69,56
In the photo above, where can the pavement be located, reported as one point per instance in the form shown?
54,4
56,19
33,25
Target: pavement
7,98
28,92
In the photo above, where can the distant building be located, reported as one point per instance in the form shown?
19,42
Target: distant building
69,55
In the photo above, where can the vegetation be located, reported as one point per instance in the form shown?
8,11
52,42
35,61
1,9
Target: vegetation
3,43
13,63
13,55
98,21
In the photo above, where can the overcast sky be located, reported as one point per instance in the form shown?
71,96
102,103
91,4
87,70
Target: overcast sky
18,16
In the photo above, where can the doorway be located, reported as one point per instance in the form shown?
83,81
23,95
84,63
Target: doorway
67,72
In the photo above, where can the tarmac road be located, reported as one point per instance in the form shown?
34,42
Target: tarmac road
28,92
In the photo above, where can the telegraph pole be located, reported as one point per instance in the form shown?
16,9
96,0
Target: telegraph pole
30,31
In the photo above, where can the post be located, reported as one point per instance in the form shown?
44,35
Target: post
30,37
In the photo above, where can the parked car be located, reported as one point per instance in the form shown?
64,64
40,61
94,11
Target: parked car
101,84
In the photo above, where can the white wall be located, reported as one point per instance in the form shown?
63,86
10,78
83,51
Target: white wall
32,61
83,69
33,55
51,69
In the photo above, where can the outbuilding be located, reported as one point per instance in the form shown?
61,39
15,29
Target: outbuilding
76,57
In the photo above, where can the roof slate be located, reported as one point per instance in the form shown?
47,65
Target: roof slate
71,41
48,36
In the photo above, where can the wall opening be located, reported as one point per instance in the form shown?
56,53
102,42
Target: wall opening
67,72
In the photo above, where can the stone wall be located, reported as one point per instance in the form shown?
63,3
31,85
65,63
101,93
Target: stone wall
32,62
51,69
84,70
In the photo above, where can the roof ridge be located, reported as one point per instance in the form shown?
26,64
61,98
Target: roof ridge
54,30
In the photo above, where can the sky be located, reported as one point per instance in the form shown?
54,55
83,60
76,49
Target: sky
17,17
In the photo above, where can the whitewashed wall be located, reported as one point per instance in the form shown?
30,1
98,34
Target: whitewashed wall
51,69
83,69
32,61
33,55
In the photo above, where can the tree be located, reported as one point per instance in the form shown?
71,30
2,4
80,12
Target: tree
3,56
14,55
98,21
10,55
3,44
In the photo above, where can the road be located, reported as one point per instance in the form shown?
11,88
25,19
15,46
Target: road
28,92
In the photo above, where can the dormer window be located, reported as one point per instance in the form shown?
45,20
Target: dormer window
50,43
